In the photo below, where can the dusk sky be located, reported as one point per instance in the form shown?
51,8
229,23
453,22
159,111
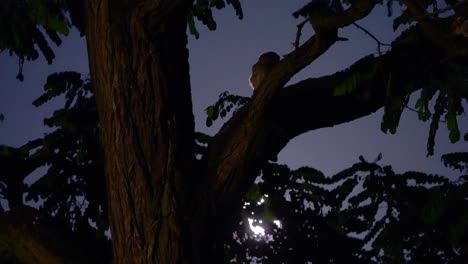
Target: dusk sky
221,61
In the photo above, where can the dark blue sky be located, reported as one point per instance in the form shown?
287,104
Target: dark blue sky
221,61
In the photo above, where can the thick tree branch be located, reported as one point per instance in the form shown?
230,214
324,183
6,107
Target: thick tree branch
326,36
238,150
311,104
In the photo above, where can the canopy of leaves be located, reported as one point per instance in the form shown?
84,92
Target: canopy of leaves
373,213
202,11
71,187
27,26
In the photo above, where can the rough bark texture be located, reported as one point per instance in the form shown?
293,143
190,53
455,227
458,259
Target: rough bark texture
139,68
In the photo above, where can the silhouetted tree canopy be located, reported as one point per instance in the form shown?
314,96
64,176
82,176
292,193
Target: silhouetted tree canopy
366,213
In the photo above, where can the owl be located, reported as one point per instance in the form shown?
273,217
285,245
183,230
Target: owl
264,65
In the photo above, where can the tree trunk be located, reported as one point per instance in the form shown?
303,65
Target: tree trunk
140,73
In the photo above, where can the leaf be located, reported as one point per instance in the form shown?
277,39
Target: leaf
219,4
379,158
201,10
456,161
20,76
43,45
192,27
210,112
58,25
54,36
59,83
422,104
360,73
361,158
309,174
225,104
202,138
237,6
203,13
452,126
42,14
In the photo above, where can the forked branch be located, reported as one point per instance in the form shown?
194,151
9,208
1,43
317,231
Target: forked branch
242,145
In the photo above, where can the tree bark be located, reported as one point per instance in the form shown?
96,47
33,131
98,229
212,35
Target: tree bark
140,73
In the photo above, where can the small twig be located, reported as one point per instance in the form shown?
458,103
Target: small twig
379,43
370,34
299,33
411,109
416,111
379,54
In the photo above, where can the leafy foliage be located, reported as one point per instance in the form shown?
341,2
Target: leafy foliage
367,208
446,81
225,104
374,214
27,25
70,188
457,161
202,11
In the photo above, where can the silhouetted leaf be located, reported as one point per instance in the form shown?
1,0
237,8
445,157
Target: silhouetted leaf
452,126
192,27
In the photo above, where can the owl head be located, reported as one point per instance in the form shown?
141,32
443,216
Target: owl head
264,65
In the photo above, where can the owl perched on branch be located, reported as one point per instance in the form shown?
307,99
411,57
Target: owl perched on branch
262,68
